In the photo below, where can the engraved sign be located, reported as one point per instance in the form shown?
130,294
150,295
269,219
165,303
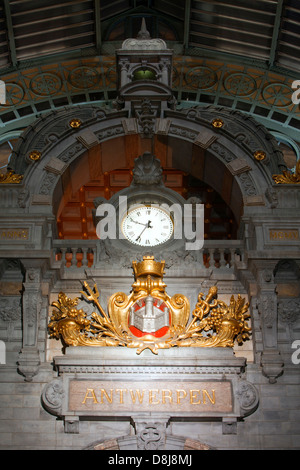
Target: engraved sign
14,234
284,235
144,396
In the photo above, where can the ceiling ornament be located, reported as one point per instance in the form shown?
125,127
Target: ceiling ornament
149,318
287,177
240,84
45,84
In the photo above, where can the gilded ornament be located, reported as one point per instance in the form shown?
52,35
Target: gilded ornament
287,177
10,178
75,123
35,155
149,318
217,123
259,155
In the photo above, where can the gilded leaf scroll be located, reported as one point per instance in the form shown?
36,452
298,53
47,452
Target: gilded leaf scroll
213,323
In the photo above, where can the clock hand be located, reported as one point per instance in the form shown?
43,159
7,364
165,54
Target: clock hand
146,226
136,222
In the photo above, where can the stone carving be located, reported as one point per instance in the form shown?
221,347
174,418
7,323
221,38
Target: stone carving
271,362
29,359
268,309
23,197
151,437
52,396
48,183
289,310
147,170
10,309
272,197
146,118
247,396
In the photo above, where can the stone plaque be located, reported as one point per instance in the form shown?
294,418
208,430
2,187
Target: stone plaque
283,235
155,396
14,234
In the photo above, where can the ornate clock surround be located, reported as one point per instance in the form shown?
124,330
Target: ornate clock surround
147,188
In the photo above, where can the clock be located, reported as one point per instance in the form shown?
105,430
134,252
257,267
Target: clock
147,226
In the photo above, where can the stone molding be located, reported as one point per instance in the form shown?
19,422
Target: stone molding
119,364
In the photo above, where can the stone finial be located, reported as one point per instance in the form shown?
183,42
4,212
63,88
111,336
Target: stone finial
143,33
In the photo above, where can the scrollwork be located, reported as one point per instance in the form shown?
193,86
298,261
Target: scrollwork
247,396
213,324
52,396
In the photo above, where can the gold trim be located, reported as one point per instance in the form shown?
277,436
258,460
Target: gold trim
287,177
35,155
10,178
217,123
75,123
213,324
259,155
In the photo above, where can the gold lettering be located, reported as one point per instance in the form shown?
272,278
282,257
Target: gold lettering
92,397
166,394
121,390
14,234
180,395
284,234
137,394
104,393
193,396
211,399
151,397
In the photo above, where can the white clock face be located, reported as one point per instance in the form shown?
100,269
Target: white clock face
147,226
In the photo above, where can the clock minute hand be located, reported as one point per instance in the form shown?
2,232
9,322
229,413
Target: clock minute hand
146,226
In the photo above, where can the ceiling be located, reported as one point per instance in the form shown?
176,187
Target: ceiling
263,30
242,54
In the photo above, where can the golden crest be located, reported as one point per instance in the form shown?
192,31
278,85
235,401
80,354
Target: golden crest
148,318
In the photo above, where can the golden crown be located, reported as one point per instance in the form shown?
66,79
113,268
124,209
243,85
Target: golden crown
148,266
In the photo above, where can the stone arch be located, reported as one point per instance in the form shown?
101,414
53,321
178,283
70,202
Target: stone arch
188,139
172,442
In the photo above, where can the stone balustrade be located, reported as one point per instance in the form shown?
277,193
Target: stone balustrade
216,254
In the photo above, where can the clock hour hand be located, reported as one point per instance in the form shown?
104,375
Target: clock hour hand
136,222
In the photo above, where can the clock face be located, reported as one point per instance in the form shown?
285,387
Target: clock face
147,226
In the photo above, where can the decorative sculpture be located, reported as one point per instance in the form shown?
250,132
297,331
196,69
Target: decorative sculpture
213,323
287,177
